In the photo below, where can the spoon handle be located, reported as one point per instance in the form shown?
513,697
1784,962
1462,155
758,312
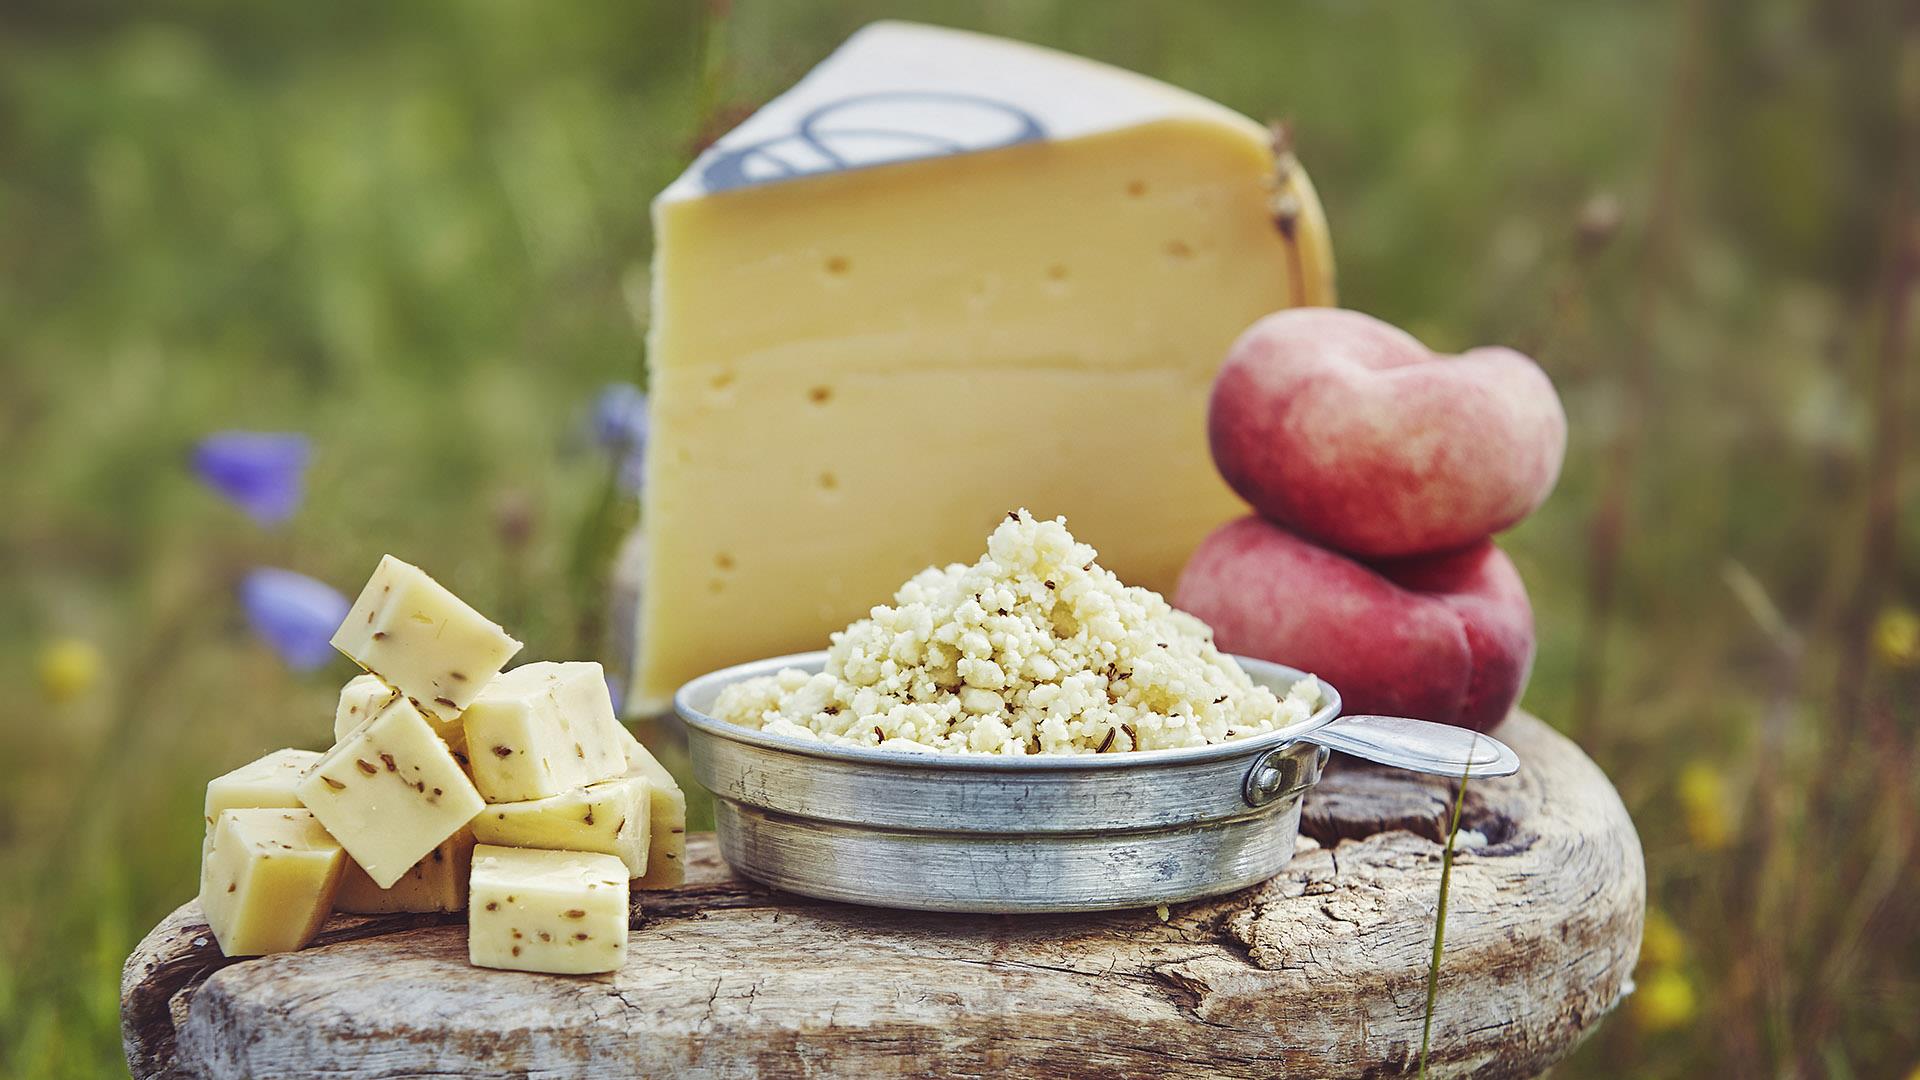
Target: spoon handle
1419,745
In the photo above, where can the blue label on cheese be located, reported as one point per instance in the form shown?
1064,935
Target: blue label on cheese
873,129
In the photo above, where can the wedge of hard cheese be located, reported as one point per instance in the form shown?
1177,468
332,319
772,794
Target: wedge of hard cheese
944,275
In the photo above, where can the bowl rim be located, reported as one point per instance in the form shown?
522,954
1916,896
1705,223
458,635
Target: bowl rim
1261,670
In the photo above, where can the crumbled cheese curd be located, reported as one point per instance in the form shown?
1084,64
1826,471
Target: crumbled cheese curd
1035,649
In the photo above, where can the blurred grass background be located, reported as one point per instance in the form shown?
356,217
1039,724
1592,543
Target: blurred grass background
419,233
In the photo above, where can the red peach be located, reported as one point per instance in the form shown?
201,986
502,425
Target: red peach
1444,637
1351,432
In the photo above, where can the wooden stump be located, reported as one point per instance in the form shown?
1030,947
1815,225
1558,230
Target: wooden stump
1319,972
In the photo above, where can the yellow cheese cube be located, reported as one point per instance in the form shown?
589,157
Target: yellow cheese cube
391,792
265,783
423,640
435,883
1035,280
360,701
563,912
268,881
365,695
609,817
667,811
541,729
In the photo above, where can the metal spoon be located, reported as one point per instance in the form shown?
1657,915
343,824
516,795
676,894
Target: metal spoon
1418,745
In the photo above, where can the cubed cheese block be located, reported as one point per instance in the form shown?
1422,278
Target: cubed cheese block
942,277
268,881
563,912
267,782
667,814
423,640
360,701
436,883
391,792
609,817
365,695
541,729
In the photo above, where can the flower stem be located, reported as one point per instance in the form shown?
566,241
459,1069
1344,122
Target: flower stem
1440,920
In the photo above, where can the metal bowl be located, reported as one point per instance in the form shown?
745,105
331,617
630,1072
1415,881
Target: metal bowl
983,833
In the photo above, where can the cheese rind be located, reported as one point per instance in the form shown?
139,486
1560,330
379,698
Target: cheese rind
424,641
609,817
267,782
391,792
667,818
1033,315
542,729
437,882
267,882
562,912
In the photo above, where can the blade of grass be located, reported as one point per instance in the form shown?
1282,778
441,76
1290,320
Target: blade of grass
1440,918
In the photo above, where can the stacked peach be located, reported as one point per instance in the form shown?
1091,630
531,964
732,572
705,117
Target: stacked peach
1379,470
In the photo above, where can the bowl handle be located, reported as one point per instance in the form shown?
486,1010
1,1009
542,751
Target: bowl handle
1419,745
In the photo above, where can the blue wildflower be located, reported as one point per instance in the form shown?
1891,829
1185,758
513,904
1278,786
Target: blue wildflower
620,416
261,472
295,614
615,695
620,427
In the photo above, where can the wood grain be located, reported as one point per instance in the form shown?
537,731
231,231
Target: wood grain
1319,972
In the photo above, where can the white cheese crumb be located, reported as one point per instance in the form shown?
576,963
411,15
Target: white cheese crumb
1035,649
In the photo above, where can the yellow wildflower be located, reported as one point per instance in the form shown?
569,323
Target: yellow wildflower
1664,1002
1703,805
1896,637
68,668
1661,945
